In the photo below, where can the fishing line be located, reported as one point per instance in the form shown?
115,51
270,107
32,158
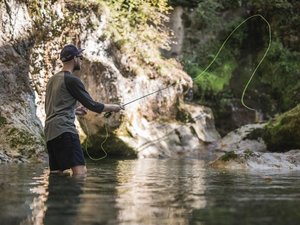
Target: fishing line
103,142
108,114
261,60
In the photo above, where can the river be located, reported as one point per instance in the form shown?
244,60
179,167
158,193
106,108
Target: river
148,191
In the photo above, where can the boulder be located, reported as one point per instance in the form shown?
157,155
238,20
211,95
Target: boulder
282,133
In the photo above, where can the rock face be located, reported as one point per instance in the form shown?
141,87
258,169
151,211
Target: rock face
20,129
159,125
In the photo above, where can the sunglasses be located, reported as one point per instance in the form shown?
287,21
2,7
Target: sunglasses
80,57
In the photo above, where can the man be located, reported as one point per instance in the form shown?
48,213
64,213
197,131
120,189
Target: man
62,93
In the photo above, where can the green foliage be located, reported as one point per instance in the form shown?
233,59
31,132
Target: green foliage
281,73
195,3
185,3
140,21
217,80
207,13
270,4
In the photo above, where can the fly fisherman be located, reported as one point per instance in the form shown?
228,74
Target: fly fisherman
63,91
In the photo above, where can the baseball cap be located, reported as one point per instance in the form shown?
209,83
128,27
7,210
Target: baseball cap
69,52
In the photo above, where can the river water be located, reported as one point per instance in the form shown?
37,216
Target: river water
148,191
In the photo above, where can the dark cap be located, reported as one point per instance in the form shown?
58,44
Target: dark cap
69,52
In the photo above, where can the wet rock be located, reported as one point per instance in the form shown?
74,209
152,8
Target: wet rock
258,161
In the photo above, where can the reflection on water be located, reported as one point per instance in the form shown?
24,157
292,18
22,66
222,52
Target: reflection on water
147,191
63,199
38,206
152,191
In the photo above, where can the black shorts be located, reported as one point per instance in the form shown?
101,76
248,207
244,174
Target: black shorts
65,152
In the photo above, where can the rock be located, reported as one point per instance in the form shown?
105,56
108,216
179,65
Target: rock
258,161
242,139
203,122
282,133
174,140
245,149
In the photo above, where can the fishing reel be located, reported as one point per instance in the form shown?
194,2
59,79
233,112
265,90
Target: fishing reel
107,114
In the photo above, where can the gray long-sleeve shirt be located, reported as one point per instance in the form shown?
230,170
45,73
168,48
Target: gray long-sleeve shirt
62,92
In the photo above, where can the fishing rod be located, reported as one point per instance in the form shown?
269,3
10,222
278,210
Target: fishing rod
108,114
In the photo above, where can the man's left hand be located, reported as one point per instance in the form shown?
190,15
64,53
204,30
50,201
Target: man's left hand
81,111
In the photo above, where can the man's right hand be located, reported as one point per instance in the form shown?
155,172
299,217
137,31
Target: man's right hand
113,108
117,108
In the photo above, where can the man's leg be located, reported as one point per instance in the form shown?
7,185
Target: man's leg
79,170
53,165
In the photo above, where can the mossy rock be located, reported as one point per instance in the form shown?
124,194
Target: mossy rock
282,133
114,146
255,134
231,155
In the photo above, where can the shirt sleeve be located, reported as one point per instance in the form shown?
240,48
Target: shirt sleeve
76,88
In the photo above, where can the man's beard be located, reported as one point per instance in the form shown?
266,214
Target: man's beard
76,66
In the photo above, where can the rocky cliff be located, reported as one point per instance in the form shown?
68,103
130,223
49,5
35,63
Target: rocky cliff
21,130
32,34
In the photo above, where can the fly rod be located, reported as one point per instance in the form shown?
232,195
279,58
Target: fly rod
108,114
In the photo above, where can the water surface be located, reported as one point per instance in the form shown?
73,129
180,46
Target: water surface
148,191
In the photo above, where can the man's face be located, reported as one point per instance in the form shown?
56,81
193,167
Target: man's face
77,62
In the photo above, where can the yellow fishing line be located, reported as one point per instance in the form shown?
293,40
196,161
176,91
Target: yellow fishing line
261,60
87,140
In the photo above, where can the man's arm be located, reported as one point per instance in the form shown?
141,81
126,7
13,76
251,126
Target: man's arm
77,90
